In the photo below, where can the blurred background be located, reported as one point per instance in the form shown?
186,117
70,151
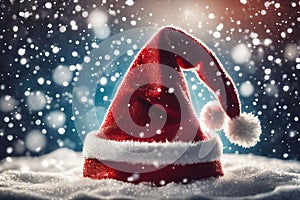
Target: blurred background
61,63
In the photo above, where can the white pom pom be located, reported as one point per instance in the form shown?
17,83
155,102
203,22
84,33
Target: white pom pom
243,130
212,116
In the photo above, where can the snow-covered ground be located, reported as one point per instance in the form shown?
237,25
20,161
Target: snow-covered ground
58,176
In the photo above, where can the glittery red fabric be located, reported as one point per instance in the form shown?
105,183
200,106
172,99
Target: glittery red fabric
172,173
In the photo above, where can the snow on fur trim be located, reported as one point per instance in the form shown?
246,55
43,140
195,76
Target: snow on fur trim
212,116
156,153
243,130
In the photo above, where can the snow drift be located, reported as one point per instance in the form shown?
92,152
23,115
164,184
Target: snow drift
58,176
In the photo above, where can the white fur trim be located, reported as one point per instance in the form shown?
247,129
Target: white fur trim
243,130
212,116
155,153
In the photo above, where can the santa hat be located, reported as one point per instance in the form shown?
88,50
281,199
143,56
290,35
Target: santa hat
151,132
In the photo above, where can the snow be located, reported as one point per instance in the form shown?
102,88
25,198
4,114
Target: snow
55,49
48,5
21,51
102,32
103,80
62,29
243,1
55,119
291,52
7,103
35,140
62,75
58,176
246,89
36,100
129,2
240,54
98,20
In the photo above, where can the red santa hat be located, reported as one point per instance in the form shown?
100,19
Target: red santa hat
151,132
